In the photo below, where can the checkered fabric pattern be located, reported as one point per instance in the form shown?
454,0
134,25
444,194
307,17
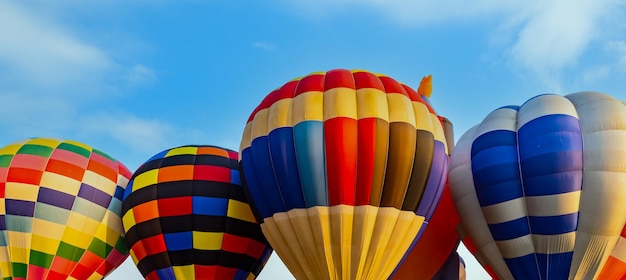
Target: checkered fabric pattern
186,216
60,204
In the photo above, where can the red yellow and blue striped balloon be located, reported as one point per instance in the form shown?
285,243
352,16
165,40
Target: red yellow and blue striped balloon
60,210
541,188
186,216
344,168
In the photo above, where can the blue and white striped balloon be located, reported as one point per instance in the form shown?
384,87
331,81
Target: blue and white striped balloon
541,188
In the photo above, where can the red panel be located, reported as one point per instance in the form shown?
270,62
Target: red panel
287,90
367,80
365,160
207,271
88,263
338,78
60,267
255,249
211,173
340,137
139,250
154,244
392,86
36,272
313,82
153,276
65,169
225,272
24,175
103,169
235,244
414,96
174,206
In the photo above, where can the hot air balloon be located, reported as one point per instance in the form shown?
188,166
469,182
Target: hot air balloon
344,167
186,216
61,204
541,188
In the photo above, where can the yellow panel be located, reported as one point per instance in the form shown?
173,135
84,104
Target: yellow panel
128,220
280,234
438,132
308,106
372,103
340,102
554,244
240,210
150,177
98,181
553,205
2,207
341,219
45,244
10,149
182,151
207,240
77,237
246,140
60,183
516,247
423,119
259,124
47,229
53,143
21,191
400,108
280,114
184,272
363,230
110,229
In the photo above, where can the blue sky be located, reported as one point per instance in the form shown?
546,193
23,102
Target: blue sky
133,78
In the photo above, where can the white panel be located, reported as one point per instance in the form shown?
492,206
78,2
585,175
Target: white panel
542,105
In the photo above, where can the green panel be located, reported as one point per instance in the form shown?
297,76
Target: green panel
5,160
121,246
40,259
51,213
76,149
70,252
19,223
100,248
19,270
38,150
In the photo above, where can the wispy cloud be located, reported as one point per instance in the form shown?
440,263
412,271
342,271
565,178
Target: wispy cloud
50,78
535,36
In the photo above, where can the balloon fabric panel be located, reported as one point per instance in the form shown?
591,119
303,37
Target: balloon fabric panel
61,214
186,215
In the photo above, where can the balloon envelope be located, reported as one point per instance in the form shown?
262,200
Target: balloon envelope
541,188
344,167
186,217
60,214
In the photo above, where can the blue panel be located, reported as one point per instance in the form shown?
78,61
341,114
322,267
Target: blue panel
262,164
493,139
551,150
510,230
309,145
179,240
166,273
241,274
211,206
252,184
493,156
498,184
553,224
435,183
555,266
524,267
286,167
158,156
235,177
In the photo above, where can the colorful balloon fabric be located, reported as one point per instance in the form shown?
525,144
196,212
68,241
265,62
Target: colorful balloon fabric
344,168
60,213
429,256
541,188
186,217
